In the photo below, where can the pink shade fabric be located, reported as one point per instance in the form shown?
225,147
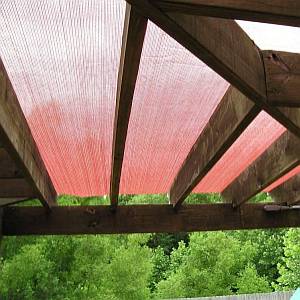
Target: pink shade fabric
62,57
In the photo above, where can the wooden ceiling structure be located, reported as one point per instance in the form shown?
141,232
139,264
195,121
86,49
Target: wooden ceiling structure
260,80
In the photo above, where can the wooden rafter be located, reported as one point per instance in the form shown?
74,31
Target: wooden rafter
133,37
282,78
288,192
285,12
8,168
281,157
16,138
238,60
234,113
142,218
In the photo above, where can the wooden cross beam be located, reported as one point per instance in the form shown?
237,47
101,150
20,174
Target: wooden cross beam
288,192
280,158
282,77
17,140
234,113
142,218
285,12
133,38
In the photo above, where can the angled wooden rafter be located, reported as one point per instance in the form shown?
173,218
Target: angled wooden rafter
280,158
239,60
288,192
234,113
142,218
282,78
17,140
132,43
284,12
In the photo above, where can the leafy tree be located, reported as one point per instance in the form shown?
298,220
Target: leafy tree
290,268
28,275
211,266
249,281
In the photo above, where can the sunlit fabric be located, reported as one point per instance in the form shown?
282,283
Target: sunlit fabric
62,57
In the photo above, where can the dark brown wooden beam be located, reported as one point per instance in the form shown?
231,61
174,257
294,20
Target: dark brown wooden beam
1,222
16,188
133,38
142,218
288,192
280,158
19,143
282,78
284,12
8,168
15,200
224,47
234,113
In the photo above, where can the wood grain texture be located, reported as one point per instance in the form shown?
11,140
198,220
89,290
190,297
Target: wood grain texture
285,12
15,188
288,192
281,157
282,78
142,218
133,38
234,113
16,138
8,168
238,60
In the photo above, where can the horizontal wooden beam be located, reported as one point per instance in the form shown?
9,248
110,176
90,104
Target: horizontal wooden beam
142,218
280,158
133,38
8,168
282,78
225,48
233,114
285,12
19,143
288,192
14,200
15,188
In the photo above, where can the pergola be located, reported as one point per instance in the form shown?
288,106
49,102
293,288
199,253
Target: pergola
257,80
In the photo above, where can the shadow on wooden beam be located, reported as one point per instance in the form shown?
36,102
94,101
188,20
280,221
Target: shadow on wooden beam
142,218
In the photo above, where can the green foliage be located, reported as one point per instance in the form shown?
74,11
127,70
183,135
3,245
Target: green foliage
144,266
28,275
249,281
290,268
210,266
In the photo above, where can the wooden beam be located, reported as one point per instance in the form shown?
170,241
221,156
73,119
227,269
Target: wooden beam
284,12
15,200
288,192
16,188
280,158
234,113
282,78
1,224
133,38
238,60
8,168
142,218
19,143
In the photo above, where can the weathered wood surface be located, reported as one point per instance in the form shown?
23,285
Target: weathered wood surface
239,61
8,168
142,218
282,78
15,200
133,37
16,138
15,188
234,113
281,157
285,12
288,192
